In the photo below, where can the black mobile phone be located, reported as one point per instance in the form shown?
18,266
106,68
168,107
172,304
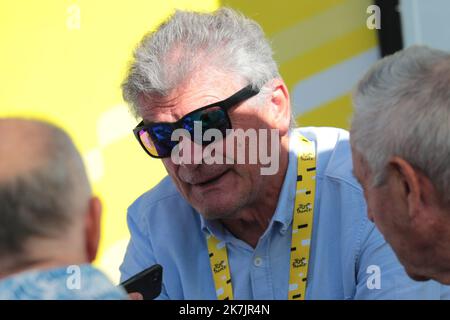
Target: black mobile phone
147,282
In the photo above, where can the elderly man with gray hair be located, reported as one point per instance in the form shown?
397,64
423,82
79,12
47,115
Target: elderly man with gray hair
400,138
49,220
228,230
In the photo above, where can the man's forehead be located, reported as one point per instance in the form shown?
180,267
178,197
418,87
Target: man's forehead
182,101
206,85
180,98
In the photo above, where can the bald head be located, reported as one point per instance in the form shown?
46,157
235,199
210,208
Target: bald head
43,184
24,146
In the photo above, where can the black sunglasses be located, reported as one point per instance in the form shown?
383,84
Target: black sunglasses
156,138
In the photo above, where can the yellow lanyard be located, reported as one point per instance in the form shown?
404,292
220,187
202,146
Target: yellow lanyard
301,233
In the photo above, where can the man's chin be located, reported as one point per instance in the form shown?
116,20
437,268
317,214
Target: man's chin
218,209
417,277
443,277
215,212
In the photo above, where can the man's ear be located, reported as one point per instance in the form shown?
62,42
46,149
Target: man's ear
406,181
280,112
92,228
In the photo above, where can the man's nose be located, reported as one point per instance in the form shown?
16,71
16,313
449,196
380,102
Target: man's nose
191,153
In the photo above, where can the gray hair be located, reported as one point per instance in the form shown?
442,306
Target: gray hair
43,201
223,39
402,108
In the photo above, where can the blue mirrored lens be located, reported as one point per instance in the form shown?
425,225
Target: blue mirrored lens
161,136
210,118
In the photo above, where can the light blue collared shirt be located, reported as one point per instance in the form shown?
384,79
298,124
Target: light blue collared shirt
83,282
349,257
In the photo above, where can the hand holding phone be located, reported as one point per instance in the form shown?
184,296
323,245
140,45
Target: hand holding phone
148,282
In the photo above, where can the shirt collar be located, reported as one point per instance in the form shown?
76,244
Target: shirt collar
283,212
213,227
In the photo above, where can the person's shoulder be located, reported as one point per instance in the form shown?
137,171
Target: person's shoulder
72,282
164,191
340,196
97,285
334,157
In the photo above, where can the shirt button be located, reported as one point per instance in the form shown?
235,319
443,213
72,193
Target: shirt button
258,262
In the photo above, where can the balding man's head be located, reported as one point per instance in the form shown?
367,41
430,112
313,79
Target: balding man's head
43,184
27,145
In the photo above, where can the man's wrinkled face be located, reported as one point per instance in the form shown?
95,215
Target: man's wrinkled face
215,190
388,210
